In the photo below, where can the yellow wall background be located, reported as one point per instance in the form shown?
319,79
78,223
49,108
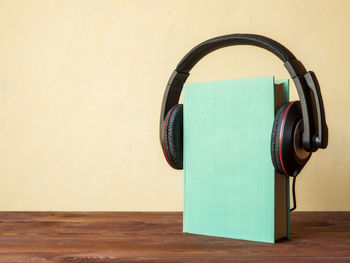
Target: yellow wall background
81,84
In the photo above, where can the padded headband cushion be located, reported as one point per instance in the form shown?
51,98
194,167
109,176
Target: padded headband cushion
172,142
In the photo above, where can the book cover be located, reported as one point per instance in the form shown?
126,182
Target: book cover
230,186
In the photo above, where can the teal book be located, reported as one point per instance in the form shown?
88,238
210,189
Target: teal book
231,188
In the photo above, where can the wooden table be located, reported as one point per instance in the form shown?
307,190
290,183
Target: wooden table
157,237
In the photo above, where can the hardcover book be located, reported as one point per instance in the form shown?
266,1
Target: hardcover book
231,188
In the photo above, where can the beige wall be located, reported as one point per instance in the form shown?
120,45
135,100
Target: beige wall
81,84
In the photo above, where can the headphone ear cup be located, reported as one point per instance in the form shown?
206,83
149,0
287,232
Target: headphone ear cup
287,153
172,137
275,138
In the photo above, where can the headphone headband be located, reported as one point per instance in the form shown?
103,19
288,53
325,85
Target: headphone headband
315,133
206,47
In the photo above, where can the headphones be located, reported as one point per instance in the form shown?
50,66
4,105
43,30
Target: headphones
299,127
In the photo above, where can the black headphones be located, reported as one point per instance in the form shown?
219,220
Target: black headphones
299,127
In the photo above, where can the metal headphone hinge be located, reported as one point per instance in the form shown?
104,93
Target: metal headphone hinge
320,139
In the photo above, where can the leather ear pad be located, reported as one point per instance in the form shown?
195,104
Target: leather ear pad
275,137
285,137
172,137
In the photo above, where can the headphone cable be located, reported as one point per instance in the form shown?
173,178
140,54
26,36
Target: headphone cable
294,198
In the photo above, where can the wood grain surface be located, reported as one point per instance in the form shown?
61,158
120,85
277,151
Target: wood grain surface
157,237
